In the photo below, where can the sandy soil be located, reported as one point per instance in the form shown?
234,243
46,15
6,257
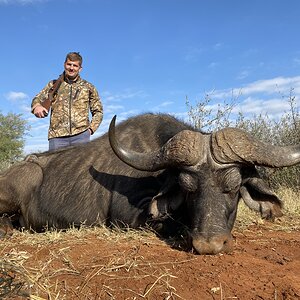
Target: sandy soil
265,264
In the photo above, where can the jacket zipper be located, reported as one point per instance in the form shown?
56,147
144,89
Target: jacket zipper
70,104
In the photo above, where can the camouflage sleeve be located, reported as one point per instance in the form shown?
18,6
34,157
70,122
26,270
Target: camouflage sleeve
41,96
96,109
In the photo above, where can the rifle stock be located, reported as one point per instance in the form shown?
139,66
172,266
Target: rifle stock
48,101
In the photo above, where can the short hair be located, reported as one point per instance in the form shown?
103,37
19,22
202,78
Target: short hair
74,56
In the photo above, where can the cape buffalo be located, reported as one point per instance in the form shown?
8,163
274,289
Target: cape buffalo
151,169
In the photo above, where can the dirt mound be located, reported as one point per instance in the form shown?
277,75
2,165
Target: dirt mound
102,265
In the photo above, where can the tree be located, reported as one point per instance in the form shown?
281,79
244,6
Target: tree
12,132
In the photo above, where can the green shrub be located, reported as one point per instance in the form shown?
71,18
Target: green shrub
12,132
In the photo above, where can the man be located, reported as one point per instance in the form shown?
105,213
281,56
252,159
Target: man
71,99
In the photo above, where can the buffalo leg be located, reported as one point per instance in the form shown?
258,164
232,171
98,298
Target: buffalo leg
7,208
6,227
17,185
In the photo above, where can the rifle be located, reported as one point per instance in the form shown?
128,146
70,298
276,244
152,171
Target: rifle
56,84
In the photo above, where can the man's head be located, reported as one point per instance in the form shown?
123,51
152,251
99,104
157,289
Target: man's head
73,65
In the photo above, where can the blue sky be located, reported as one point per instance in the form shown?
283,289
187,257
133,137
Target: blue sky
149,55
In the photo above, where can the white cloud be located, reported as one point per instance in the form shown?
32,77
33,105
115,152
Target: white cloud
25,108
260,97
41,129
22,2
280,84
112,108
268,86
166,103
180,115
129,113
35,148
274,106
16,96
162,106
126,94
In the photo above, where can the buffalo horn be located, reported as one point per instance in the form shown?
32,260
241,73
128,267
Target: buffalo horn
181,149
231,145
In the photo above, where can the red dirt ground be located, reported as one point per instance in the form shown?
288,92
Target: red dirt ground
265,264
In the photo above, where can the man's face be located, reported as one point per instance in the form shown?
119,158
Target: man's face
72,69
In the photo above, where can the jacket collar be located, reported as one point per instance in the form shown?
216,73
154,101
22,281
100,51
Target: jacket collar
67,80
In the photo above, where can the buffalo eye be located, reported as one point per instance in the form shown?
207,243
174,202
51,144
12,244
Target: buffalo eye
230,180
188,182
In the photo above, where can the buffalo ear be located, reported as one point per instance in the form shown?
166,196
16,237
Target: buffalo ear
258,196
168,199
163,204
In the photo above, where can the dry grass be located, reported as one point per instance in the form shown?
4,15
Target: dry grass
102,277
43,282
291,211
19,279
291,200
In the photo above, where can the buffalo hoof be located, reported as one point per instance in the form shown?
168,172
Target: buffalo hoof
6,228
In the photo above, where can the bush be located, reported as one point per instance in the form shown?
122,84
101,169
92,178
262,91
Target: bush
284,131
12,131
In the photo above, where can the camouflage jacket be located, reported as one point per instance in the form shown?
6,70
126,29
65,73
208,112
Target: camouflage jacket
70,108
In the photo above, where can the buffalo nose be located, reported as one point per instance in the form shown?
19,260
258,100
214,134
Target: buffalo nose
213,245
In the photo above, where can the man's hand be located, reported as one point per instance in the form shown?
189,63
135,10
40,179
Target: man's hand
40,111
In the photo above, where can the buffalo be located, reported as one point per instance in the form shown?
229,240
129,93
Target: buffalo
150,170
